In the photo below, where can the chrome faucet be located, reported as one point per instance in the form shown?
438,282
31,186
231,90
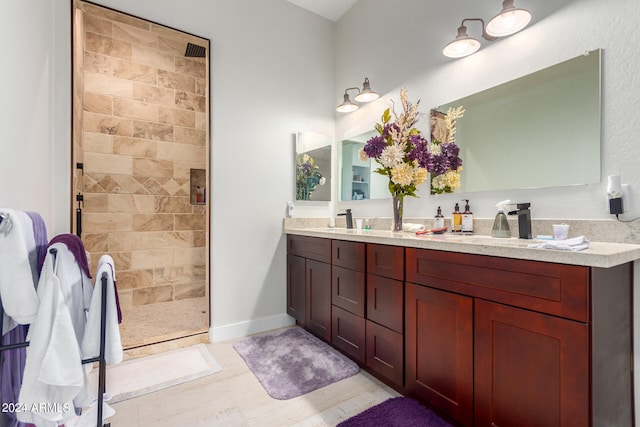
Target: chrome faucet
349,217
524,220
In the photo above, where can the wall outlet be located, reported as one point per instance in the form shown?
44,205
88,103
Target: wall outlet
290,209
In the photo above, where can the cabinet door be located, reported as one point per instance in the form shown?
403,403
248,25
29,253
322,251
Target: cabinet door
318,303
385,302
296,288
348,290
531,369
439,351
384,352
348,333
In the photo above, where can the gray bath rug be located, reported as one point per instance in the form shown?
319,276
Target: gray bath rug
292,362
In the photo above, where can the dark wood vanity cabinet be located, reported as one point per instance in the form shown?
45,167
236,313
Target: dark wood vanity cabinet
504,342
309,283
385,312
348,298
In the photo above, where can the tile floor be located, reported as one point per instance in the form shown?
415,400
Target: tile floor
234,397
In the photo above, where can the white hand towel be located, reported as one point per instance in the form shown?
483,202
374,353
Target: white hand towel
412,228
573,244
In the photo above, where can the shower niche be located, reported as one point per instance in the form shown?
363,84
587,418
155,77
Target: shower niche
141,130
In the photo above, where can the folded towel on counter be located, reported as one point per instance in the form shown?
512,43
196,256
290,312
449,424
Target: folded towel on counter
573,244
412,228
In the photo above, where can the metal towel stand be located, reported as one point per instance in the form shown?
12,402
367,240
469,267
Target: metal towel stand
102,365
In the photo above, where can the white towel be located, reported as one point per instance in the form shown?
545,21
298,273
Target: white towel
412,228
573,244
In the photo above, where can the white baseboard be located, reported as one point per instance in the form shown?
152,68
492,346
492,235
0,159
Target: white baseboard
250,327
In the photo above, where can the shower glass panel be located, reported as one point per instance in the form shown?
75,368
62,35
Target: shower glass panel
141,126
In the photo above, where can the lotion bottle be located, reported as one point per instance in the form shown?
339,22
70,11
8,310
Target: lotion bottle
438,220
467,218
457,219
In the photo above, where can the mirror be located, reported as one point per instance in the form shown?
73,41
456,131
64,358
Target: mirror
541,130
313,167
358,179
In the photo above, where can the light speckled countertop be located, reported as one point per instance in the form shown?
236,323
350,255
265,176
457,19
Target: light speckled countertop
599,254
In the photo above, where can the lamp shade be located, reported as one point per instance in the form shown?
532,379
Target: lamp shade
366,95
509,21
347,106
463,45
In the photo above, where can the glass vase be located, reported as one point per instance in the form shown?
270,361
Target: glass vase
398,202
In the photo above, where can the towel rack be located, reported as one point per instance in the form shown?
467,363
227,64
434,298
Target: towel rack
102,365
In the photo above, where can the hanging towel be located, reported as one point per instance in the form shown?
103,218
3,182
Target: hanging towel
91,340
53,373
18,269
76,247
40,237
574,244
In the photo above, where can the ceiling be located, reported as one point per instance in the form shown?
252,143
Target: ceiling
330,9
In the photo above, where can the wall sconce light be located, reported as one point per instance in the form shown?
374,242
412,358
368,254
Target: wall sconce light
364,95
509,21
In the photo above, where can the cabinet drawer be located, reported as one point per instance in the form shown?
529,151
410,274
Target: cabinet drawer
385,301
348,333
348,254
387,261
385,353
347,290
557,289
309,247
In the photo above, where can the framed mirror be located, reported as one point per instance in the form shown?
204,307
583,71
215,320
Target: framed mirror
358,180
541,130
313,167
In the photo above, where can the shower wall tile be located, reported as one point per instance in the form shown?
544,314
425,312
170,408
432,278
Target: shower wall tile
167,204
96,103
106,222
155,187
201,120
97,25
154,94
190,66
107,163
122,260
152,295
153,58
190,101
146,259
177,117
115,16
176,81
153,222
186,274
185,135
190,256
201,87
108,46
190,222
155,131
111,125
180,152
94,202
152,167
95,242
136,36
135,109
131,203
200,239
98,142
108,85
135,279
134,147
191,290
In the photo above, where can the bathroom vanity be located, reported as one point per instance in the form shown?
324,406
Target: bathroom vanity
486,331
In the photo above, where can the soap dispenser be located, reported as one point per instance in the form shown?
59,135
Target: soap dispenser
438,220
467,218
500,224
457,219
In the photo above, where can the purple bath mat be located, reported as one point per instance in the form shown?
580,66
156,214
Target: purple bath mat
396,412
292,362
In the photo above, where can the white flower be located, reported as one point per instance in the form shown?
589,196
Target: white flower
363,156
402,174
391,156
322,180
435,149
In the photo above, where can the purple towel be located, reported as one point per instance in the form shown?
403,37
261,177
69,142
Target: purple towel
40,236
76,247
